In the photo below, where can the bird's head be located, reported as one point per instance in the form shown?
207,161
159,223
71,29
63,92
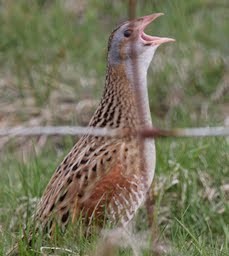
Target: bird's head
129,42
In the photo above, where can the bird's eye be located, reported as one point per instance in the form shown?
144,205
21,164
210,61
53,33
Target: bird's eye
127,33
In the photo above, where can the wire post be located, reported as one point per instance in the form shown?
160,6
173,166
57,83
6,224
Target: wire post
132,9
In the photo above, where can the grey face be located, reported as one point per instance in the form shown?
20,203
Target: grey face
129,42
126,44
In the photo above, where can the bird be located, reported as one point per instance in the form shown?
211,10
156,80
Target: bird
105,179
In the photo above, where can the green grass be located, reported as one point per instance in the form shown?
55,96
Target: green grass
51,59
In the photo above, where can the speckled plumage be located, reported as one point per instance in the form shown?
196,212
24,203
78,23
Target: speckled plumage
100,177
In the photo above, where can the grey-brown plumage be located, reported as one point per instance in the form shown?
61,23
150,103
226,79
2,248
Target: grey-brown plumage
103,178
99,173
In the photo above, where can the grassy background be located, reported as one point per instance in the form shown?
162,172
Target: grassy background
52,65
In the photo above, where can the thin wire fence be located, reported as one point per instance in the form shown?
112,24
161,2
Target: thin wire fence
19,131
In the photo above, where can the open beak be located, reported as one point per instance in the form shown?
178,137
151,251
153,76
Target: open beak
151,40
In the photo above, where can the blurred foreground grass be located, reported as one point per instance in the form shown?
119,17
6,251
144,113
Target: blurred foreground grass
52,66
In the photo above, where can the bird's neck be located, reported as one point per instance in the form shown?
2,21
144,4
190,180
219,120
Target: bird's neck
136,72
119,106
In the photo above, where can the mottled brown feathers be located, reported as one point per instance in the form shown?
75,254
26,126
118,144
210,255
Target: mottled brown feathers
97,174
101,178
91,161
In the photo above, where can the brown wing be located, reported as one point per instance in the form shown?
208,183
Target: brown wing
98,175
82,167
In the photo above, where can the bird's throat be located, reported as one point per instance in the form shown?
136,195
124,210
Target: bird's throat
137,75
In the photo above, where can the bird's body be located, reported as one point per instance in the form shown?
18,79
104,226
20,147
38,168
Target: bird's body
102,177
106,179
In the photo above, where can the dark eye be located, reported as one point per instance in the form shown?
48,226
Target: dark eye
127,33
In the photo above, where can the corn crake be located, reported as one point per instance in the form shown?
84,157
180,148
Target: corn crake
106,179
